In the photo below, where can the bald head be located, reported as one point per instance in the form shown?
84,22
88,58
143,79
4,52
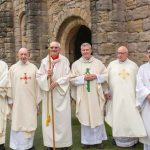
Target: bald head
123,49
23,50
122,53
23,55
55,48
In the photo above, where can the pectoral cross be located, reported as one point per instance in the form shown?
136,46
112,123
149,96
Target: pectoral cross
25,78
123,74
88,82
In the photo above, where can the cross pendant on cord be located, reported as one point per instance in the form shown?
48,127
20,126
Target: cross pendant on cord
25,78
123,74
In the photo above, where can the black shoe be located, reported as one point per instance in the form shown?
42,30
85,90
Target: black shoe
49,148
66,148
134,146
2,147
99,146
32,148
113,142
83,146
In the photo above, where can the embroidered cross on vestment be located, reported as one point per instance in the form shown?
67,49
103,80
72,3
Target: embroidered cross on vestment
123,74
25,78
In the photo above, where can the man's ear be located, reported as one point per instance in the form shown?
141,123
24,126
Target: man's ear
29,54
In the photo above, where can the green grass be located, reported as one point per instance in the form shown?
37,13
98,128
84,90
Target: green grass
76,137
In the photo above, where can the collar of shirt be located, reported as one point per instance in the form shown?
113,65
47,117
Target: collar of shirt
21,63
55,57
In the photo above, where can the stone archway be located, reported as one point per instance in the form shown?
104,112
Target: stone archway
72,32
23,30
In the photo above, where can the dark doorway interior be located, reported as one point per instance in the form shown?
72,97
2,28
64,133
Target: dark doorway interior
83,35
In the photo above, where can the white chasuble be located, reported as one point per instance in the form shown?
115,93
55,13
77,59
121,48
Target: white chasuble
121,113
143,90
89,98
61,102
4,109
25,94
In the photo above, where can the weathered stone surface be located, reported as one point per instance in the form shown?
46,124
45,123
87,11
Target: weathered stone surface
102,37
117,37
102,16
116,15
146,24
139,58
111,26
132,37
142,46
105,49
35,23
141,12
130,4
132,47
104,5
135,26
145,36
142,2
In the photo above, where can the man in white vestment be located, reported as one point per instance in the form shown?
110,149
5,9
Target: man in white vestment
121,112
53,78
24,96
143,98
4,108
87,76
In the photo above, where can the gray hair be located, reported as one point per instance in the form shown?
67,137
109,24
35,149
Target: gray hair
86,44
58,44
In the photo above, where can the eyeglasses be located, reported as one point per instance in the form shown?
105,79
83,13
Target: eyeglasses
121,53
54,47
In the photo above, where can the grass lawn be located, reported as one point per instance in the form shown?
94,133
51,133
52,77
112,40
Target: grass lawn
76,137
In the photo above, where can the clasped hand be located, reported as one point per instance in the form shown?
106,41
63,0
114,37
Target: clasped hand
90,77
53,85
49,73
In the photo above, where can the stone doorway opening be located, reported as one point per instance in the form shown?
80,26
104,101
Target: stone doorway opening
83,35
72,33
76,37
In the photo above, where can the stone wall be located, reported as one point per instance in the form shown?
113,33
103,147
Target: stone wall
138,28
35,23
120,22
64,16
6,31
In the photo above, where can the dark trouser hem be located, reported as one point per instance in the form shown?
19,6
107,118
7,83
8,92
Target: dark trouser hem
62,148
2,147
32,148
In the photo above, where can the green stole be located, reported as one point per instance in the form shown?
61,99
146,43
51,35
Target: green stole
88,82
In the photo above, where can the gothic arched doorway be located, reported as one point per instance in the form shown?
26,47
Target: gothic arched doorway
72,33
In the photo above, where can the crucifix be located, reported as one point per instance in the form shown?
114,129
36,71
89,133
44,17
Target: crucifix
25,78
123,74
